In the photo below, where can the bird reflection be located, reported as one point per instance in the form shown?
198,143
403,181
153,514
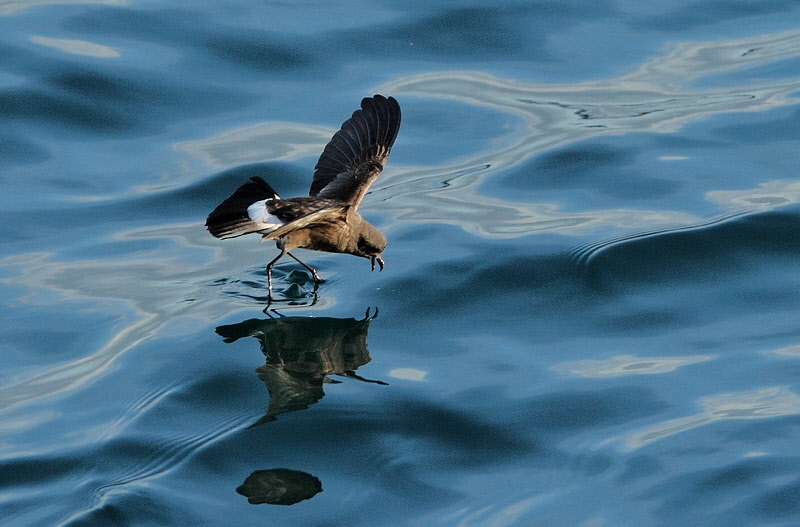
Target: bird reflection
279,486
301,353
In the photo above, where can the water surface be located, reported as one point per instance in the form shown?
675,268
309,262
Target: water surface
588,314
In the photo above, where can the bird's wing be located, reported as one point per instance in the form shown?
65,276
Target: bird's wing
356,154
326,215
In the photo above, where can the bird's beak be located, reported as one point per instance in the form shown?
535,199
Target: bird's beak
373,259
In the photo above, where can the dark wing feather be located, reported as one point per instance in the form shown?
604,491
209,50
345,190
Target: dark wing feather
356,154
291,209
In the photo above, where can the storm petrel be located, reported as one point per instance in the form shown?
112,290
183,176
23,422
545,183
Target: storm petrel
326,219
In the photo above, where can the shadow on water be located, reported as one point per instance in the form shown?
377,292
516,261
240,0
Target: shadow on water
279,486
301,353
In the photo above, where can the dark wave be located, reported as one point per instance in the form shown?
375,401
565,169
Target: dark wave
736,244
701,13
599,285
583,254
15,150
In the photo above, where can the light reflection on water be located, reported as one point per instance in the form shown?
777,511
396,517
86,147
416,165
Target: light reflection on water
627,365
261,142
767,196
763,403
155,300
758,404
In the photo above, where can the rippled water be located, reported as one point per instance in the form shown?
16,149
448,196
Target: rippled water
588,314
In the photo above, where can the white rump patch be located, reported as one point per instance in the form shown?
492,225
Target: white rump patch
258,213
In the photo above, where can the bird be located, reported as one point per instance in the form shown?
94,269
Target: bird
327,219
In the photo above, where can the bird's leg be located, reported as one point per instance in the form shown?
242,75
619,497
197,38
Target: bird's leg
350,374
316,294
373,259
368,318
269,273
314,274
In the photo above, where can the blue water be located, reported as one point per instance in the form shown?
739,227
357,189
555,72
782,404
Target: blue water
589,311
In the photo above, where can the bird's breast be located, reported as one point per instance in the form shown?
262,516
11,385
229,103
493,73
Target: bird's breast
329,238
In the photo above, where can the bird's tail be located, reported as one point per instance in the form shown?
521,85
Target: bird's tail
231,217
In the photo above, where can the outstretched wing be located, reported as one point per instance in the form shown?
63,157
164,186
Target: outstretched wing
356,154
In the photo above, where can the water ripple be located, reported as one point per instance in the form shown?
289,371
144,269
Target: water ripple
583,254
656,97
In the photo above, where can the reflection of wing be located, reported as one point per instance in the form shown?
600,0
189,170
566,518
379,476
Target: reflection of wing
279,486
288,391
356,154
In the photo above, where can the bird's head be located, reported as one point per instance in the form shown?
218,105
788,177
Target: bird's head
370,243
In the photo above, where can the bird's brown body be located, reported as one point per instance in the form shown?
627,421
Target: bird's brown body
326,220
345,236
